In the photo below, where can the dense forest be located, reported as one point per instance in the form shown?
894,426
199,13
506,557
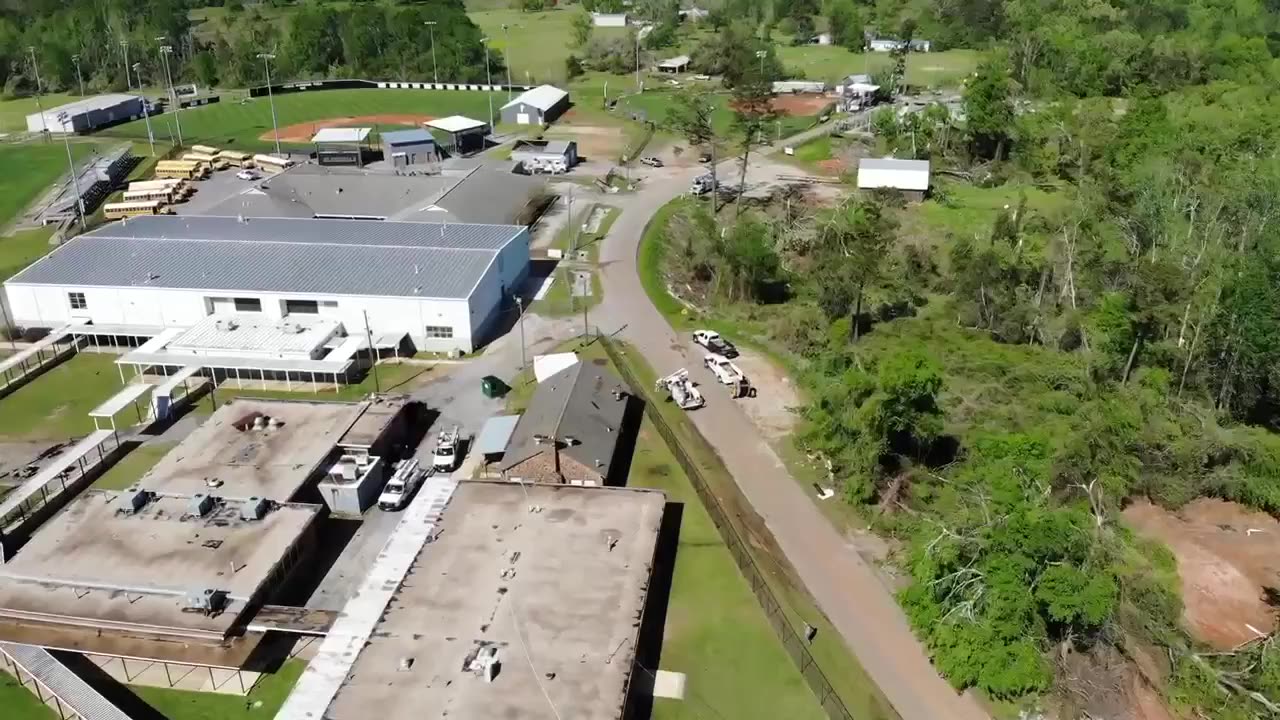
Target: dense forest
314,40
993,388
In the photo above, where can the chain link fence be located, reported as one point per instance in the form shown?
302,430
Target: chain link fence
795,645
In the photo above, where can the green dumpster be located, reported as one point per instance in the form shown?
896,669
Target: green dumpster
493,387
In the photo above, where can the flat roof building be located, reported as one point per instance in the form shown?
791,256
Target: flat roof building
910,177
442,285
551,600
539,106
87,114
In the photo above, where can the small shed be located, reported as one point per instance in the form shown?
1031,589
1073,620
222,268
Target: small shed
538,106
342,146
463,135
909,177
677,64
409,147
492,441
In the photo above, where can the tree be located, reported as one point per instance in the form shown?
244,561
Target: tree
989,111
691,114
572,66
753,114
206,68
849,254
581,24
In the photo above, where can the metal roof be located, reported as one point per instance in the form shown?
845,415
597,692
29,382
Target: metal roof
893,173
675,62
406,137
577,402
341,135
456,123
543,97
495,434
97,102
304,193
307,257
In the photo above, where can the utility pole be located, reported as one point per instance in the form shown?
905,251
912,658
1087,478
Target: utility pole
573,236
435,69
373,366
639,87
125,44
762,54
75,177
520,306
506,45
266,63
35,69
489,80
165,52
75,59
146,112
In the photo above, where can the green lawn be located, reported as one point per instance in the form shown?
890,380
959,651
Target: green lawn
539,42
240,125
830,63
40,165
132,467
13,113
55,406
23,248
392,377
19,703
965,210
271,691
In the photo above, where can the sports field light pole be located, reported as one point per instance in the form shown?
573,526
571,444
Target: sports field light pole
75,59
75,178
639,88
762,55
506,46
489,79
35,69
271,98
165,52
146,114
435,69
125,44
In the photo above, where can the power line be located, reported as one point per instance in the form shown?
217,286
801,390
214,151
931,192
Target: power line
520,636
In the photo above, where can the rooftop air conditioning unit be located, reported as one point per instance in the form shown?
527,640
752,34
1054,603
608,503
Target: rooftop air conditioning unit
255,508
134,499
208,600
199,505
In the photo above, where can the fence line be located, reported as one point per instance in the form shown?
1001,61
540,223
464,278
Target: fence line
795,645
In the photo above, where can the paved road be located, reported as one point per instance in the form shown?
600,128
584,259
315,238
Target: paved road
847,590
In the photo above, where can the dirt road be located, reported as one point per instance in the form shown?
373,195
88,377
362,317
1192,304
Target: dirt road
846,589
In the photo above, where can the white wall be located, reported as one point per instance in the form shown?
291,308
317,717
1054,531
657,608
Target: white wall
869,178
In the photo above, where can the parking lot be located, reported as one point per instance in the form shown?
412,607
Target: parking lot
220,187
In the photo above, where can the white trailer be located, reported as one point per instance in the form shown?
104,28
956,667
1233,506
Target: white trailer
682,390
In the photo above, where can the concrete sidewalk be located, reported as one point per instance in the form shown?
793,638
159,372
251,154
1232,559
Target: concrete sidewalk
846,589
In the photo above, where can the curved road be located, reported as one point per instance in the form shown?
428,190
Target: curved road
846,589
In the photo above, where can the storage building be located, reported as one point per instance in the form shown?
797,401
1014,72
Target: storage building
342,146
403,148
444,286
611,20
462,135
910,177
86,115
538,106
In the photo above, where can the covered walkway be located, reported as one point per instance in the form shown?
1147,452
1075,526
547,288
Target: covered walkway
56,685
23,365
52,481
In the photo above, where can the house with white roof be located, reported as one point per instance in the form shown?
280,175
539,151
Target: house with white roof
539,106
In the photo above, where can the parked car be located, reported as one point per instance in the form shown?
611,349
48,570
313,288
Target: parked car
651,161
248,175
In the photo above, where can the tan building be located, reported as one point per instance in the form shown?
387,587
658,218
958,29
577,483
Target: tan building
570,432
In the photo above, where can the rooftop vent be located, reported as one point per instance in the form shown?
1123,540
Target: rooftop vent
570,440
291,328
134,499
226,325
255,508
199,505
207,600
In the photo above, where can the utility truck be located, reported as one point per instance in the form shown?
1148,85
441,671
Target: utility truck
445,457
404,481
682,390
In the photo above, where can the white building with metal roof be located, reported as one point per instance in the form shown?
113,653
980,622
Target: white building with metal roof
910,177
87,114
442,285
538,106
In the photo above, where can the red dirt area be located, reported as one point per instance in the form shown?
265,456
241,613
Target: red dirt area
1227,555
303,132
801,104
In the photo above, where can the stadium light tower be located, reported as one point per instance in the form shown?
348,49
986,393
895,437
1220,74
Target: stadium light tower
35,69
435,69
79,78
146,113
489,79
165,52
125,44
506,46
271,98
75,178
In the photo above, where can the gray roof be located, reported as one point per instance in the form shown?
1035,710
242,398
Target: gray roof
321,257
484,196
97,102
495,434
894,164
578,403
311,191
406,137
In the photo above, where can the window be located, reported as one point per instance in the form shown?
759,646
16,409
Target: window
248,305
77,301
301,307
439,331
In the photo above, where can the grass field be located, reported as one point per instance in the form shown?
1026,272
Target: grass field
271,691
55,406
830,63
714,631
535,44
13,113
21,249
239,125
19,703
41,165
132,467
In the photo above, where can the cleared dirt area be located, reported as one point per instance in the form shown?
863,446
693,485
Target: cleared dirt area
303,132
594,141
1228,560
801,105
773,409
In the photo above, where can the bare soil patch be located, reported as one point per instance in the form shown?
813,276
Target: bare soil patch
594,141
801,105
773,409
303,132
1228,557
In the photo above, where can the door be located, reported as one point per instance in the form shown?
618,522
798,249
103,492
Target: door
522,119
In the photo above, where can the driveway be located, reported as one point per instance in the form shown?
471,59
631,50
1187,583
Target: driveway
846,589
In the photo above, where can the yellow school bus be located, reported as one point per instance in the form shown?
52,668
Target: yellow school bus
115,211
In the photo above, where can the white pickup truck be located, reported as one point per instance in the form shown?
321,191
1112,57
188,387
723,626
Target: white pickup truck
729,374
404,481
714,343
